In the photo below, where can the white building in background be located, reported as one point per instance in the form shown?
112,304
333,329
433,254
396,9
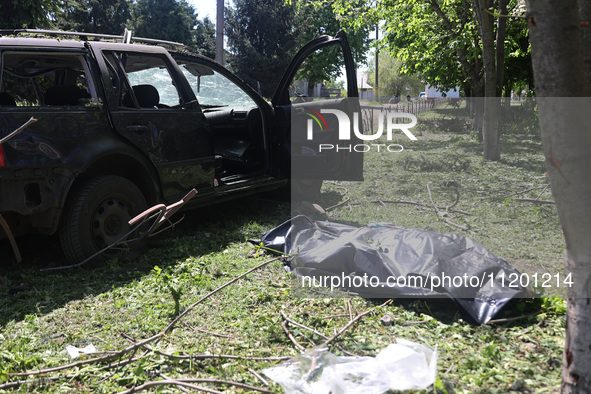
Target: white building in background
433,92
366,91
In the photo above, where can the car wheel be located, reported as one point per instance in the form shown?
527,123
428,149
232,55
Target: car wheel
97,216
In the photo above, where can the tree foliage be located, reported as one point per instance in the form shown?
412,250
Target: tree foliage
204,37
440,44
264,35
391,81
172,20
262,40
518,62
28,13
449,43
95,16
315,21
439,39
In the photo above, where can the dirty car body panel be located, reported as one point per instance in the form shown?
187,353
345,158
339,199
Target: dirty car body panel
143,119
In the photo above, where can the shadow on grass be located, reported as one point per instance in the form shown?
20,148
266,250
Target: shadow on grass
524,152
25,290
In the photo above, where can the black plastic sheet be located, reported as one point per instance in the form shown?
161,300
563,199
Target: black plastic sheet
386,261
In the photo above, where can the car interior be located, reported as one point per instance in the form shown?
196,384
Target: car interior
44,79
235,121
235,124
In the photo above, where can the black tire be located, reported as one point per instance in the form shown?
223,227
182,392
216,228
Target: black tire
97,215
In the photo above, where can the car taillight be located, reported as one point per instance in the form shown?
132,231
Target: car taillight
2,160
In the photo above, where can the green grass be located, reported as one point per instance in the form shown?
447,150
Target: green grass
139,298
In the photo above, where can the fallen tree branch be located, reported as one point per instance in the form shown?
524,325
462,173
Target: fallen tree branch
110,246
520,192
535,201
505,196
447,221
291,337
11,239
542,192
92,360
169,383
431,199
123,362
345,328
220,356
290,321
349,309
540,323
205,297
347,199
351,322
259,377
447,208
508,319
455,224
215,334
420,204
43,380
17,131
455,202
180,387
158,214
121,241
335,316
187,383
227,382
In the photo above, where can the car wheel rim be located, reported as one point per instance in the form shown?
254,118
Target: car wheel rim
110,222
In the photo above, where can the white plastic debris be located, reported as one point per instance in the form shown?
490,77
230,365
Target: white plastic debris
74,351
404,365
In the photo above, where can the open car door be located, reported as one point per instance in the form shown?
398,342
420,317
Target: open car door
317,124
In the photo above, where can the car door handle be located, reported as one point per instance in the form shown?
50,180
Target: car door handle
138,129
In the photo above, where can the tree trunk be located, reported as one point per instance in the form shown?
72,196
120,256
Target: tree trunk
585,17
490,123
477,106
507,95
560,48
500,49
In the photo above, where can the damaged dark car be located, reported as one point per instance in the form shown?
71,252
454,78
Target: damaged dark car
122,126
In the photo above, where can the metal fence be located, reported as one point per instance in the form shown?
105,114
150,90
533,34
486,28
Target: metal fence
370,112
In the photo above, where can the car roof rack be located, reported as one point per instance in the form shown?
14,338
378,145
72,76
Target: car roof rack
126,38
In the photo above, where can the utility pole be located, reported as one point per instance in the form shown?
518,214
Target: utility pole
219,33
377,89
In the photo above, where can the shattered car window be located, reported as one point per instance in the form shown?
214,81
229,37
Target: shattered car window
148,72
213,89
52,78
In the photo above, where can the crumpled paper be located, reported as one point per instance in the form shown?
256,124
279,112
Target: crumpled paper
74,351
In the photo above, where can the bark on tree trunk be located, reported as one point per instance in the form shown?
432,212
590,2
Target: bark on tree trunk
560,51
501,34
490,123
507,95
477,105
585,19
